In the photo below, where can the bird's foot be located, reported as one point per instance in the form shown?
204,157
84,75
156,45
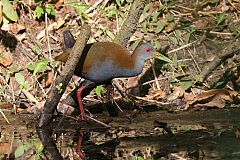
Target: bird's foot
82,116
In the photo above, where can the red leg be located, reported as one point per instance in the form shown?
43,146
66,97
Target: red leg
79,144
80,103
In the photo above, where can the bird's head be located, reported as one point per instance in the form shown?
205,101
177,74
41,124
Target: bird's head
146,51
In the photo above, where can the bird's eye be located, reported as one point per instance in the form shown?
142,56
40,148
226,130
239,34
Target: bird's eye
148,49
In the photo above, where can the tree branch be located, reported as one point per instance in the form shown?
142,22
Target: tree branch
63,79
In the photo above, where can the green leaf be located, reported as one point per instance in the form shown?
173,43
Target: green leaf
118,3
98,90
50,9
174,59
169,17
160,27
37,157
31,66
110,34
81,9
39,12
15,69
111,12
155,17
186,84
187,37
29,96
221,18
135,44
59,88
8,10
198,78
40,66
157,44
19,151
184,128
20,79
38,145
164,58
174,40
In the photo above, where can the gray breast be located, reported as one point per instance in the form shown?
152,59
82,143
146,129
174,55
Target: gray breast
105,71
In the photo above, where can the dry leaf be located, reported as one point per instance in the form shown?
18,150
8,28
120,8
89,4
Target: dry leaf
5,148
6,59
157,95
41,34
59,4
133,86
16,28
29,96
200,24
21,37
36,108
178,92
6,106
171,27
49,80
214,98
19,110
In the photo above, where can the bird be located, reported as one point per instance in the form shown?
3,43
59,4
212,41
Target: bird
100,62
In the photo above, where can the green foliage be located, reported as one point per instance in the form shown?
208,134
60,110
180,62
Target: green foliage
9,14
59,88
221,18
184,128
170,17
50,10
36,49
41,10
137,158
99,90
79,7
110,34
185,82
25,146
38,66
22,81
164,58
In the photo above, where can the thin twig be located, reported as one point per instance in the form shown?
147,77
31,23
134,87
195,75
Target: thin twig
153,101
13,98
45,94
95,120
47,36
221,33
117,105
182,47
4,116
155,76
154,80
94,6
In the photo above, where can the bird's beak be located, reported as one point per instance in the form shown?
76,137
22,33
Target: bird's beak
155,54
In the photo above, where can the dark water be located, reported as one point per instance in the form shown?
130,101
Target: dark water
213,134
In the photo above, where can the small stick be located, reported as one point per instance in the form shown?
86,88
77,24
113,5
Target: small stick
155,77
4,116
182,47
95,120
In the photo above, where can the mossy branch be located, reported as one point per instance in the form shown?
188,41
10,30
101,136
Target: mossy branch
130,24
63,79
